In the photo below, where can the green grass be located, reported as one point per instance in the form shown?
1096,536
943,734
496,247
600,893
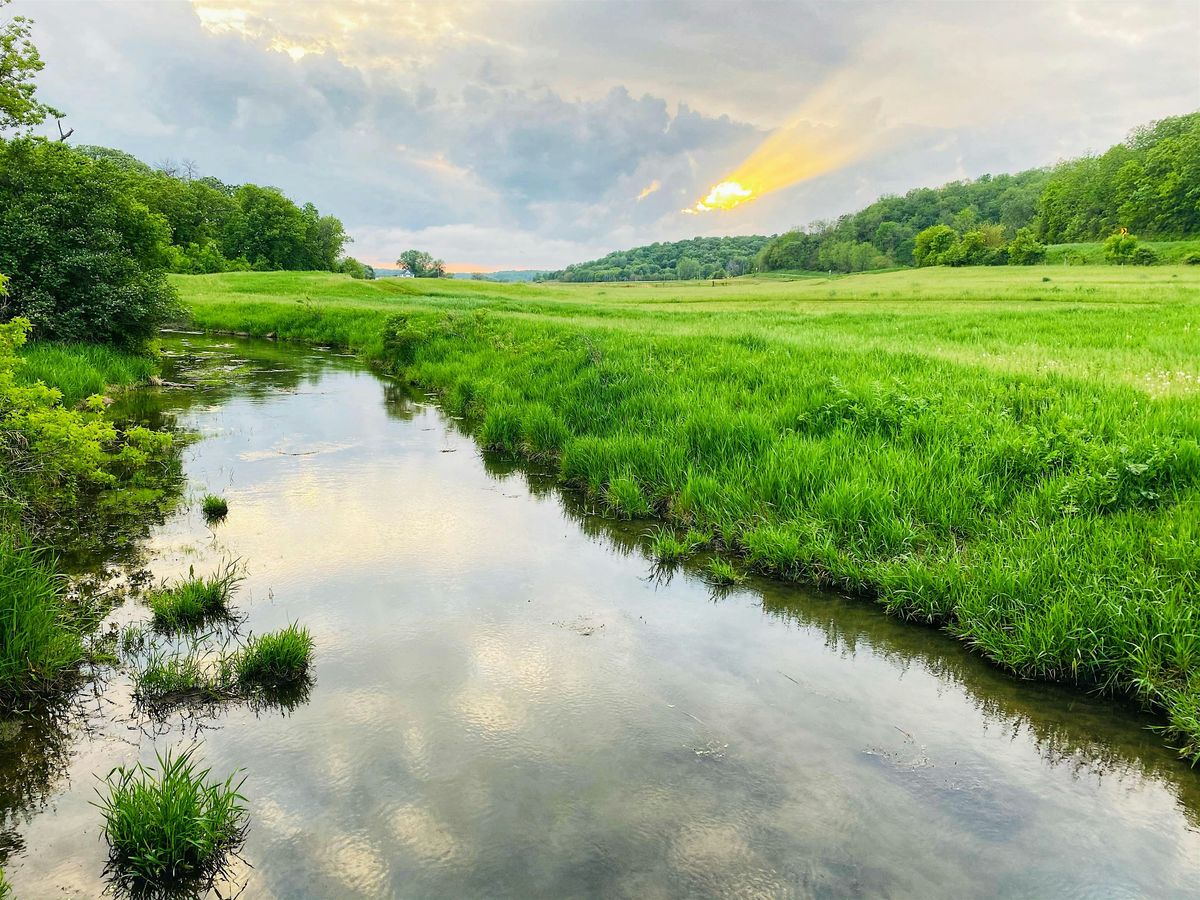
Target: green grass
1092,254
172,678
171,826
724,573
276,659
80,370
1013,458
194,601
214,507
39,643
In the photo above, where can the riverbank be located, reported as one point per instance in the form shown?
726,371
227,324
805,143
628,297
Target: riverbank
1009,453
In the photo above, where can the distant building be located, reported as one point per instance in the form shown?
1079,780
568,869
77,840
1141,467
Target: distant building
404,273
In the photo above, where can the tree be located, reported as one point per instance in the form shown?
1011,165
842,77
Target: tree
421,264
267,228
687,269
355,269
84,254
19,65
1025,249
934,245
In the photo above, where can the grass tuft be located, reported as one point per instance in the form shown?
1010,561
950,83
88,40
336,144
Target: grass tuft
723,573
275,659
214,507
195,601
169,826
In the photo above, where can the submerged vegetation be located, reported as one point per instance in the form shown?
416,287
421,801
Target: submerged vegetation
1009,453
171,825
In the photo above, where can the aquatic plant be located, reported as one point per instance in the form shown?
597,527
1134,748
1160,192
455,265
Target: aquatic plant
214,507
273,659
170,825
195,600
723,573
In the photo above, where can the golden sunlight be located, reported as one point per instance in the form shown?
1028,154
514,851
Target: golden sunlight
725,195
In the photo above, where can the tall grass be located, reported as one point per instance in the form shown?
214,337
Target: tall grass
80,370
1017,460
170,826
39,643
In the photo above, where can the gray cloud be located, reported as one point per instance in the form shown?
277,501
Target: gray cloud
523,134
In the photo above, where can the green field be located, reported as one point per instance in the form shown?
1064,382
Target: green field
1013,453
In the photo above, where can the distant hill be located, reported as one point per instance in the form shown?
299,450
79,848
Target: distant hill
504,275
699,257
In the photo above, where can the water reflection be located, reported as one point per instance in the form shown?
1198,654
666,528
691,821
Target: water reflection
509,703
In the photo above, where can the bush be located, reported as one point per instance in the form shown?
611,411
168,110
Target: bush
1120,248
1191,259
1143,256
170,827
86,258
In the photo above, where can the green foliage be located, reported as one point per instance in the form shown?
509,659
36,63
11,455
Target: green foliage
80,370
1003,457
1025,249
53,456
681,260
85,256
275,659
1150,185
38,643
19,65
1119,248
170,826
214,507
421,264
355,269
194,601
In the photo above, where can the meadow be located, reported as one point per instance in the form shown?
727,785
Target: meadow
1010,453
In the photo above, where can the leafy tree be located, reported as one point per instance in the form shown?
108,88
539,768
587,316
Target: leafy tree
934,245
687,269
267,228
1025,249
355,269
85,256
658,261
421,264
19,65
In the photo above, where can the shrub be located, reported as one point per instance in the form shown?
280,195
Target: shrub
86,257
1143,256
1191,259
1119,248
169,826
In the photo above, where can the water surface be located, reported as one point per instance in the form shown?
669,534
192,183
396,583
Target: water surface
510,701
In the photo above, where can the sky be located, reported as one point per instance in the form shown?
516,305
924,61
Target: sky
511,135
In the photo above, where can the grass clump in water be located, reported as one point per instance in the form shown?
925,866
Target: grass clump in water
278,658
170,826
195,601
723,573
668,548
215,508
169,679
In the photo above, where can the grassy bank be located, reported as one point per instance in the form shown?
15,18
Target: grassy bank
1092,254
1011,453
55,458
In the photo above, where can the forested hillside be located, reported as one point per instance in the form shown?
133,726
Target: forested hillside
714,257
1148,185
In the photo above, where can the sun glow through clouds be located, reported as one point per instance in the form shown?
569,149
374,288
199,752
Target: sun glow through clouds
725,195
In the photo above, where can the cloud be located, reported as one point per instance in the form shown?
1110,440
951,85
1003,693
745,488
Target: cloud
525,134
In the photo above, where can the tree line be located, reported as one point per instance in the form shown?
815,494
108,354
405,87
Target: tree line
1148,186
700,257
